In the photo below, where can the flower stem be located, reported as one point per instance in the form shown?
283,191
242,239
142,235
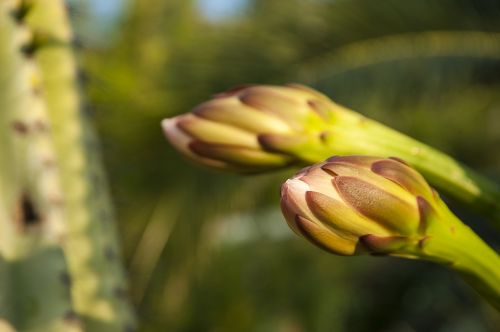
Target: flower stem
457,246
359,135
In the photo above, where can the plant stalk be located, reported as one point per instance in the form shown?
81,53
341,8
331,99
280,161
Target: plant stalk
465,252
99,287
359,135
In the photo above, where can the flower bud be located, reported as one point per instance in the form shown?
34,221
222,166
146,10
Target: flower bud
251,128
354,204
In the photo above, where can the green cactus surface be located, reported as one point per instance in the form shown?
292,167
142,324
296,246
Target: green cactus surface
34,278
99,285
60,263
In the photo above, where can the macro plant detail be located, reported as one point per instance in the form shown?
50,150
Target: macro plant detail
254,129
385,150
349,204
359,200
59,258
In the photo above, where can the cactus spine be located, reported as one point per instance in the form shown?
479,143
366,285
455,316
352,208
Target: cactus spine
40,92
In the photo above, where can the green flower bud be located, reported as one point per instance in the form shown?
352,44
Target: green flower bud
252,128
354,204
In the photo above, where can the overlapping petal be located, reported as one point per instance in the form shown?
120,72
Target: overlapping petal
353,204
252,128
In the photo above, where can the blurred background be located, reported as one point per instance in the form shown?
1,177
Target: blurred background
208,251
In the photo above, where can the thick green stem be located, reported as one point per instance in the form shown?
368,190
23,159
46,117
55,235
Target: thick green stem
99,287
34,277
447,240
457,246
359,135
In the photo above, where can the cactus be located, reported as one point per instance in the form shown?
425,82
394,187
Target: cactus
51,240
34,279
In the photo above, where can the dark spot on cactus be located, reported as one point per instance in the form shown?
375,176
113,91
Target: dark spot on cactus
66,279
21,11
20,127
37,91
41,39
27,214
29,49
